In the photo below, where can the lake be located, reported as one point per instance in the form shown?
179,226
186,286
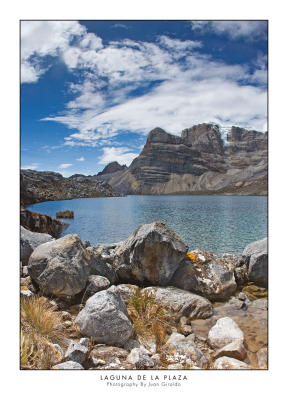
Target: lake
221,224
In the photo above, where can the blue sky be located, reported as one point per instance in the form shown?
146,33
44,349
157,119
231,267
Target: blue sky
92,90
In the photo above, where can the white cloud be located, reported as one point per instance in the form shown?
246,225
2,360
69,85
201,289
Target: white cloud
53,38
31,166
63,166
121,154
80,159
192,90
234,29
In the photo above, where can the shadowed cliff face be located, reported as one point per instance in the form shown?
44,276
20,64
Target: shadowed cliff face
198,161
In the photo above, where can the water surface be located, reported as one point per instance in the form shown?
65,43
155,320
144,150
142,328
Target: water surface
215,223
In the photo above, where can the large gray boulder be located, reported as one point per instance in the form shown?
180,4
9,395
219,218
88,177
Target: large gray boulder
256,257
224,332
204,273
150,255
180,303
29,241
105,318
61,267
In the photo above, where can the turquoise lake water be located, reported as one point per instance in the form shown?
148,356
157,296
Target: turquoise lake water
221,224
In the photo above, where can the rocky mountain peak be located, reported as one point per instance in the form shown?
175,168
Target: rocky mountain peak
112,167
204,138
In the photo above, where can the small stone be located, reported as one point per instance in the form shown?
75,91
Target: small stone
26,293
76,352
96,283
85,342
140,358
175,366
262,357
66,316
68,365
67,324
229,363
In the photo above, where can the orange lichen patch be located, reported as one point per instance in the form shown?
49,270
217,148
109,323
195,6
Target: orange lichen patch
193,257
24,288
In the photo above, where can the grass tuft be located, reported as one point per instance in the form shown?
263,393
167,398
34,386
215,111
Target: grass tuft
150,320
41,325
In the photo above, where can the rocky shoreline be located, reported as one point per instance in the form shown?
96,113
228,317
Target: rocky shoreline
146,303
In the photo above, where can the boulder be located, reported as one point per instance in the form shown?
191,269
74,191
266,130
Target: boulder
100,261
150,255
68,365
95,284
204,273
127,291
61,267
234,349
224,332
105,318
229,363
256,257
29,241
181,303
41,223
183,350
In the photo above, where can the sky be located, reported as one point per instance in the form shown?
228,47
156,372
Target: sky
91,91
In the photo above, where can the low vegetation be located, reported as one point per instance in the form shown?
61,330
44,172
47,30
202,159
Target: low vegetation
41,327
150,320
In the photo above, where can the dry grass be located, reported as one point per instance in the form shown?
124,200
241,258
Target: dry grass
40,325
150,320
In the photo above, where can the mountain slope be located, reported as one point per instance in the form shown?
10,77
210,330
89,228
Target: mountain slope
198,161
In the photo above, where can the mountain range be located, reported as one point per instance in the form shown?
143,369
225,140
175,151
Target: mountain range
199,161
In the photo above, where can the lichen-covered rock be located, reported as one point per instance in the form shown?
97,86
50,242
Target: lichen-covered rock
150,255
224,332
183,350
29,241
204,273
68,365
95,284
105,318
229,363
179,303
256,257
60,267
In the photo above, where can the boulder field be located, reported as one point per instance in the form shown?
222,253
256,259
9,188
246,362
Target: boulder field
148,283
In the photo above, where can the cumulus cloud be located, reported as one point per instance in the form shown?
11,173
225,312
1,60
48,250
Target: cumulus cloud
121,154
51,38
63,166
80,159
233,29
176,85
